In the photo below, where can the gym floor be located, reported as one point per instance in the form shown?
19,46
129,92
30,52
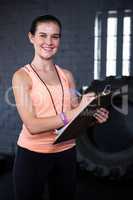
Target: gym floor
89,187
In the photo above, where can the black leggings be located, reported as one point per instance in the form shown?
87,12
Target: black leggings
32,170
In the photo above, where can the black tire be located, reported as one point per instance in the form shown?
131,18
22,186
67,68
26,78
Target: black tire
106,150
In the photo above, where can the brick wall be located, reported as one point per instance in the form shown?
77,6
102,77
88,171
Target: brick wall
76,52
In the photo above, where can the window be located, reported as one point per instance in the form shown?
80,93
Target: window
126,46
97,47
117,43
111,44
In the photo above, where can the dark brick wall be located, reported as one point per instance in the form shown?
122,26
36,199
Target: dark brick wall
76,52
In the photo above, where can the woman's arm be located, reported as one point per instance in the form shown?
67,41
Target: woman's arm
101,115
22,85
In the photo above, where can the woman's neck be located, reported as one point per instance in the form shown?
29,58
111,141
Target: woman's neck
44,65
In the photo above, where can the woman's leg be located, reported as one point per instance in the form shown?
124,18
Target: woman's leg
62,182
30,173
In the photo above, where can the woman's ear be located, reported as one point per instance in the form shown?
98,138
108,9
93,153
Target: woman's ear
31,37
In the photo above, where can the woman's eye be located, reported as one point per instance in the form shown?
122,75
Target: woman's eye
52,37
55,37
43,36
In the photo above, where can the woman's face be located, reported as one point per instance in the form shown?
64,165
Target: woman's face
46,39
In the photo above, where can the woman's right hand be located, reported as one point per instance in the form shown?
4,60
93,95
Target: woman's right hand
86,99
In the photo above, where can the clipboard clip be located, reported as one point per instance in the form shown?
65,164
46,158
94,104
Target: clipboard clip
106,90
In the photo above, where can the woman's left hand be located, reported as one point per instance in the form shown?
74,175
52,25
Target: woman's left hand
101,115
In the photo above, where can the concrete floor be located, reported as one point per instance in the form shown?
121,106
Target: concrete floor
88,187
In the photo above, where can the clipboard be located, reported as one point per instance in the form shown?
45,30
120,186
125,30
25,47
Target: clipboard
73,129
86,116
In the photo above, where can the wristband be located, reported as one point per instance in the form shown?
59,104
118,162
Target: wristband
64,118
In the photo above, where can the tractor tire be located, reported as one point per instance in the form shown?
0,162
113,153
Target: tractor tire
106,149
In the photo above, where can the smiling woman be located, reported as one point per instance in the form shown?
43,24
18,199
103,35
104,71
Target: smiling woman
45,103
46,40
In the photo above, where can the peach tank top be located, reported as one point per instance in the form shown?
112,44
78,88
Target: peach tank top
43,142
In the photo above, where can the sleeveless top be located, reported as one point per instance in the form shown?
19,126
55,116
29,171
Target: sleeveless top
41,101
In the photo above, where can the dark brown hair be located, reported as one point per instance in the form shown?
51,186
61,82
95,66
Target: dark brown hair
44,18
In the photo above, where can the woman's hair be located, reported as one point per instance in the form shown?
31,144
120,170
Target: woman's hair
44,19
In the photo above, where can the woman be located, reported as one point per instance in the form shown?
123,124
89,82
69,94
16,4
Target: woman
45,103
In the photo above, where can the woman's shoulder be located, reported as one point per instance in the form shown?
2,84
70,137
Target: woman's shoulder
69,76
20,75
67,73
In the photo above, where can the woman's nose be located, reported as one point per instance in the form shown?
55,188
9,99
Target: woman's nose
49,41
